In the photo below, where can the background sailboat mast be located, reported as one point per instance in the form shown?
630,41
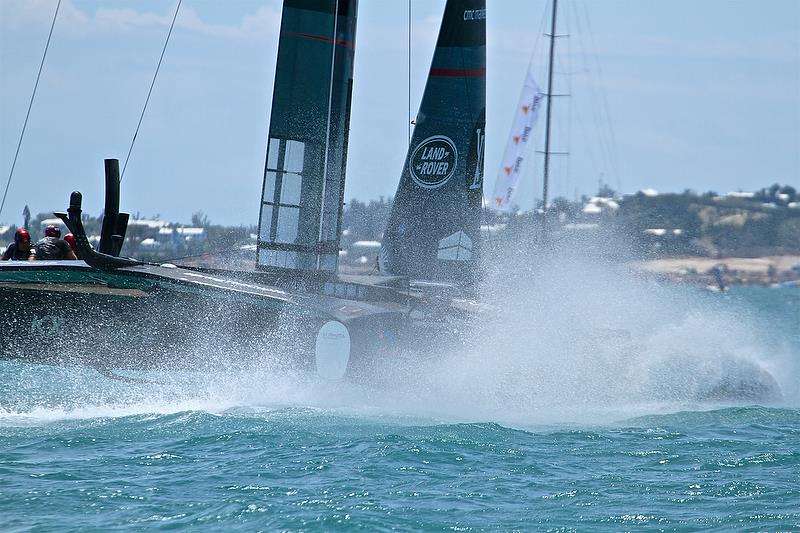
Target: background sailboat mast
547,121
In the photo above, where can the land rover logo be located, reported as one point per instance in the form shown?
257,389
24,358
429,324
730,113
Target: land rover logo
433,161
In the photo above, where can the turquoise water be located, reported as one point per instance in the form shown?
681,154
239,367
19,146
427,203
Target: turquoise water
459,448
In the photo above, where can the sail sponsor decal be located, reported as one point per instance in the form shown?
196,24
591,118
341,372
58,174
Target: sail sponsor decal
474,14
517,146
332,350
477,171
433,162
474,171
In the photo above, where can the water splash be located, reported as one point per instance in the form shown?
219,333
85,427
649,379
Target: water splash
567,338
578,336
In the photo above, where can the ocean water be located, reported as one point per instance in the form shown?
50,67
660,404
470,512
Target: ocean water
538,425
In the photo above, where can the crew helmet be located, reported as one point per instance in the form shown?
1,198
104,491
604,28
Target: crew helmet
70,238
52,231
22,235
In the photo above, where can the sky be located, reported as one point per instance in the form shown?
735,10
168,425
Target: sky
669,95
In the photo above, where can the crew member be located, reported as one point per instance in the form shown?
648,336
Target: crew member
52,247
20,249
73,244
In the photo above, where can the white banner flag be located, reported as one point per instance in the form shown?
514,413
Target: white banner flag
516,149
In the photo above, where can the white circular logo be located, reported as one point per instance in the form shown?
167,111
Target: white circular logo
332,351
433,161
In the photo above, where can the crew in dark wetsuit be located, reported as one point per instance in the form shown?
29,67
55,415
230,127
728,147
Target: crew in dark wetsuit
52,247
20,249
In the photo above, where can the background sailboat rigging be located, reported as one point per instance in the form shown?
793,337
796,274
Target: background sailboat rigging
568,122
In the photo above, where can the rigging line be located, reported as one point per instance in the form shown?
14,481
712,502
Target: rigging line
539,35
486,220
327,151
534,167
603,143
566,183
613,156
409,71
218,251
30,105
613,148
582,69
149,92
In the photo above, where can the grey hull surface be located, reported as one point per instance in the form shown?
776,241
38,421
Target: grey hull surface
147,316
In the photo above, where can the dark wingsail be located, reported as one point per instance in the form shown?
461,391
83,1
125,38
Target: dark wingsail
434,228
300,218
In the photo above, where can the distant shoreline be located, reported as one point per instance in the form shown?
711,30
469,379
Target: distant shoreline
765,270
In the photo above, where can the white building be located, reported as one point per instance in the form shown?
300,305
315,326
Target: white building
597,205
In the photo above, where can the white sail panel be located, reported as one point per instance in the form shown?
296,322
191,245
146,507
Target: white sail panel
517,148
455,247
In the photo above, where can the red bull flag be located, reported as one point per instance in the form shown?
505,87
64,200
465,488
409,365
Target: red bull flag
517,148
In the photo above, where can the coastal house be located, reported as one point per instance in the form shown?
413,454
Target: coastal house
600,205
740,194
362,253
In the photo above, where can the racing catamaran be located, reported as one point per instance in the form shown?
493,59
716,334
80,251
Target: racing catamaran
115,312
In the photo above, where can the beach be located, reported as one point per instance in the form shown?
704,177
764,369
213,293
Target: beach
739,270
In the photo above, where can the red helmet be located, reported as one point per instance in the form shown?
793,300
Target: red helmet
70,238
22,235
52,231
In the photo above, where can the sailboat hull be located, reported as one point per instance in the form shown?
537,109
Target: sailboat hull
155,317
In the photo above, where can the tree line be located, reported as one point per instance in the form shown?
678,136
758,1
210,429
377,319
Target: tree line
764,222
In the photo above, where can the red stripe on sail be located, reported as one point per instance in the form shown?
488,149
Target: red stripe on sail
321,38
459,72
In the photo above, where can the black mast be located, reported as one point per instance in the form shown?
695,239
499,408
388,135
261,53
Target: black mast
547,122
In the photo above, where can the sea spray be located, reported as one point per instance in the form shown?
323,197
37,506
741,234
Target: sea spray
576,335
563,337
